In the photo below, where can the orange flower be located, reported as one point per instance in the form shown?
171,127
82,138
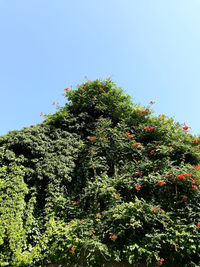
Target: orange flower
101,89
144,111
41,113
137,144
82,220
195,141
66,89
161,183
116,195
171,149
197,147
162,211
130,136
146,128
138,187
95,97
197,167
99,214
92,138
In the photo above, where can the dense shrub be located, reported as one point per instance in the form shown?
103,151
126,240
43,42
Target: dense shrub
102,178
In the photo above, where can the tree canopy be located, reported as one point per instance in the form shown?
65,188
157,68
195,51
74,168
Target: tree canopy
102,178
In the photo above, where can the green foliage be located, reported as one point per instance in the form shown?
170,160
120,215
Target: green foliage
101,179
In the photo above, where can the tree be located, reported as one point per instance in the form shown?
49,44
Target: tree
104,178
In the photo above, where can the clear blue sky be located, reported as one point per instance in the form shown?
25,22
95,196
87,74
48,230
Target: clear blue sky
151,48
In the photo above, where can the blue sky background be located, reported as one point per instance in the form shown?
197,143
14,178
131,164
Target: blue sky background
149,48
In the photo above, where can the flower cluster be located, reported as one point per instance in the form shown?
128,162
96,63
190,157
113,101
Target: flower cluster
161,183
149,128
160,262
183,175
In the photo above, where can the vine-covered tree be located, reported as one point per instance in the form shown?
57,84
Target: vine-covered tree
102,179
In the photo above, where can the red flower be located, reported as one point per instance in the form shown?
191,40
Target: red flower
155,208
130,136
185,198
181,176
112,237
152,102
152,151
138,187
101,89
66,89
197,167
151,129
171,148
198,225
72,249
82,220
186,127
163,115
146,128
169,175
187,174
161,183
194,181
92,138
144,111
194,187
41,114
160,262
75,202
195,141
